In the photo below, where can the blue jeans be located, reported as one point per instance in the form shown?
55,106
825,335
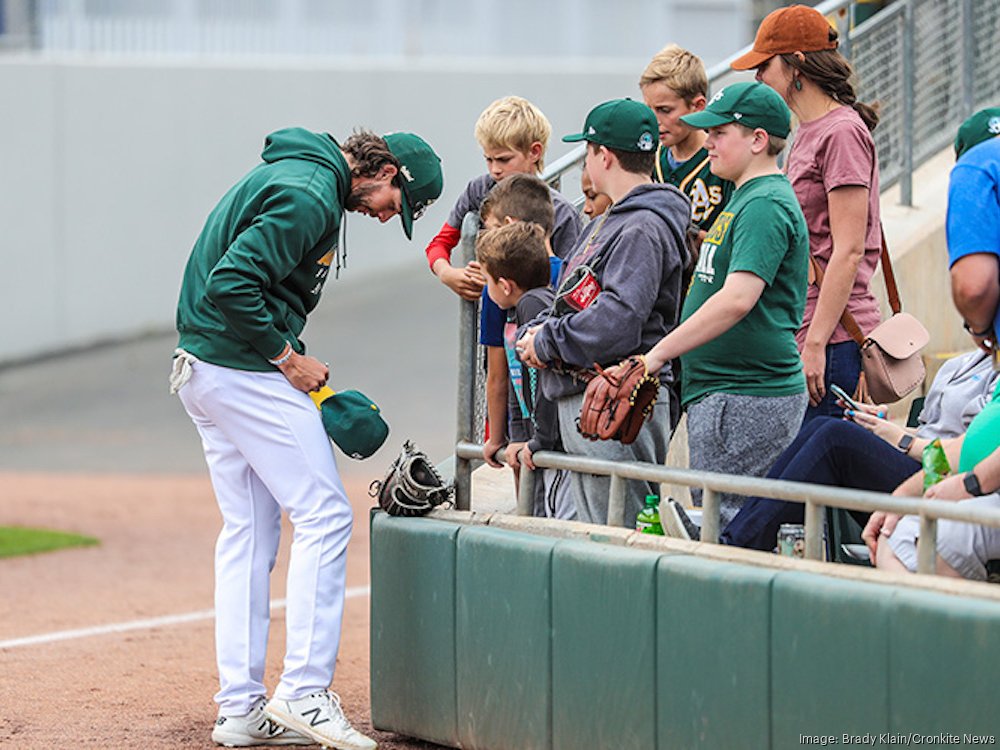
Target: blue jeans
826,451
843,367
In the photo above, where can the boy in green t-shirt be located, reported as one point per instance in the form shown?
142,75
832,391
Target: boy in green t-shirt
743,385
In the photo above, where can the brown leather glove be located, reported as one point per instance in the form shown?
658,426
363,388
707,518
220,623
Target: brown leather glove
617,401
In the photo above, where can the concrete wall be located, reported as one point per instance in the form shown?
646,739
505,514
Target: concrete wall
109,168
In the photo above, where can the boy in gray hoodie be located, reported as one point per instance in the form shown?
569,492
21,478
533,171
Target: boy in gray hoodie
626,275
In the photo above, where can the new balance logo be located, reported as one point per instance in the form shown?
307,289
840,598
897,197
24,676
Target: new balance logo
269,729
315,720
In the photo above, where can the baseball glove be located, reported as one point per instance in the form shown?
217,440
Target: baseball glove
617,401
412,486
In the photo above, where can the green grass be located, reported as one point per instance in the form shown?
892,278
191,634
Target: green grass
15,541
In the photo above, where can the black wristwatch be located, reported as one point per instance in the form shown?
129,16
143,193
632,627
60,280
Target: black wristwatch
905,442
971,482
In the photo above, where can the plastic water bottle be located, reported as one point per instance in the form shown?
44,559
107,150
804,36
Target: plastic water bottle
648,520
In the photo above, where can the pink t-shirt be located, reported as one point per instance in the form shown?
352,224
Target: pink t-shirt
837,151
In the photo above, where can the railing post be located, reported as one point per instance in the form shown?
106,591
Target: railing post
909,88
709,516
526,492
616,501
814,530
927,545
465,430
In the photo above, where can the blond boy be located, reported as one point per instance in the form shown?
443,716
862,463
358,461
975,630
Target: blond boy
513,134
675,84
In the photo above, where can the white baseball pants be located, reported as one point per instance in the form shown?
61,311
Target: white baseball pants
267,451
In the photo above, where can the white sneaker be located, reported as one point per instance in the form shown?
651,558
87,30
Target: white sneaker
320,717
254,728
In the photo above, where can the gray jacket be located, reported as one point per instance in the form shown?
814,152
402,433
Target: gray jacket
637,253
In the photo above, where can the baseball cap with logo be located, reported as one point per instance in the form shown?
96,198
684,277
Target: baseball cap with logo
797,28
621,124
419,174
982,126
352,420
755,105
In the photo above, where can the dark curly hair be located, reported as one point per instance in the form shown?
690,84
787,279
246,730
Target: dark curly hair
369,152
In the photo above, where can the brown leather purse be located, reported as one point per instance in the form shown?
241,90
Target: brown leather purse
891,364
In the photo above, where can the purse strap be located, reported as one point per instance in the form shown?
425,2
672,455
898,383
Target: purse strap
892,290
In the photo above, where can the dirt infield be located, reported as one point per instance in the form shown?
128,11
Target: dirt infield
145,685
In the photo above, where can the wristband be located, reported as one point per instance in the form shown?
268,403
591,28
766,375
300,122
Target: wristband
905,442
286,354
971,482
977,334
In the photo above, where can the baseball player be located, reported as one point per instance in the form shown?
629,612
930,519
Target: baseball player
255,273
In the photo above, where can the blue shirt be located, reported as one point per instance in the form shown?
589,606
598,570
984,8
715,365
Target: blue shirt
973,221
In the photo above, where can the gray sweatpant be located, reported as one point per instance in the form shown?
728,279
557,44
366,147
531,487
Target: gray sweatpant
590,492
735,434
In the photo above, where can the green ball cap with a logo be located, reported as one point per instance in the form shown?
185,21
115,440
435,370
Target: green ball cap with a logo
755,105
419,175
621,124
982,126
354,423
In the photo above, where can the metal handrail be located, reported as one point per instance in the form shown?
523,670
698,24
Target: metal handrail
815,497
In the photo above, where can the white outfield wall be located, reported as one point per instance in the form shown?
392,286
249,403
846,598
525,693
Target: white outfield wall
108,169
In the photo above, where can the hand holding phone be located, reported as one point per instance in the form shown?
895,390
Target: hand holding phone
842,395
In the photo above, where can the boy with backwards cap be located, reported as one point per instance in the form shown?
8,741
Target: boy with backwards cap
630,259
743,385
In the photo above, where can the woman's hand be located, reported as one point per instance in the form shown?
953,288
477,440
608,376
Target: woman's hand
890,432
949,488
879,524
814,368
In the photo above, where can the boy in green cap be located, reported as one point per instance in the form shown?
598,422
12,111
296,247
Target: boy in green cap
743,385
628,263
254,275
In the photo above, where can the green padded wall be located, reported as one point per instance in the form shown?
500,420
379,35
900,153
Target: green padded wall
413,627
503,643
944,665
829,658
603,648
713,630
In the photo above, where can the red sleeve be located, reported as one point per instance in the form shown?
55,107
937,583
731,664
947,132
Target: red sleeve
442,244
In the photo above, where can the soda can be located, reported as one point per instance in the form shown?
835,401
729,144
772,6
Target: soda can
792,540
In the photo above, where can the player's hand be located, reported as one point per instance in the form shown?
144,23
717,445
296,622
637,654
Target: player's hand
305,373
466,282
490,450
814,368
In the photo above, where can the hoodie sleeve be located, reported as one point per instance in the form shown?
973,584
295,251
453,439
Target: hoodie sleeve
289,223
611,328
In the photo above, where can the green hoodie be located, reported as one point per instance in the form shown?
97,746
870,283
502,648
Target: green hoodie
258,267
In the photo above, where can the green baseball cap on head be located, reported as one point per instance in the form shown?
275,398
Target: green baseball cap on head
754,104
621,124
982,126
419,175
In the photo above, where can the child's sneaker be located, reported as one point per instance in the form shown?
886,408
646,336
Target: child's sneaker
320,717
254,728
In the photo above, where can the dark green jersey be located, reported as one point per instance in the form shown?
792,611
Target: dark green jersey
708,193
763,232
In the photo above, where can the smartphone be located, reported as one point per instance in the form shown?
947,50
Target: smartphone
842,395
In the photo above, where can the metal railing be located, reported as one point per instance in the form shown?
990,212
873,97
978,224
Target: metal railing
927,63
815,497
891,52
